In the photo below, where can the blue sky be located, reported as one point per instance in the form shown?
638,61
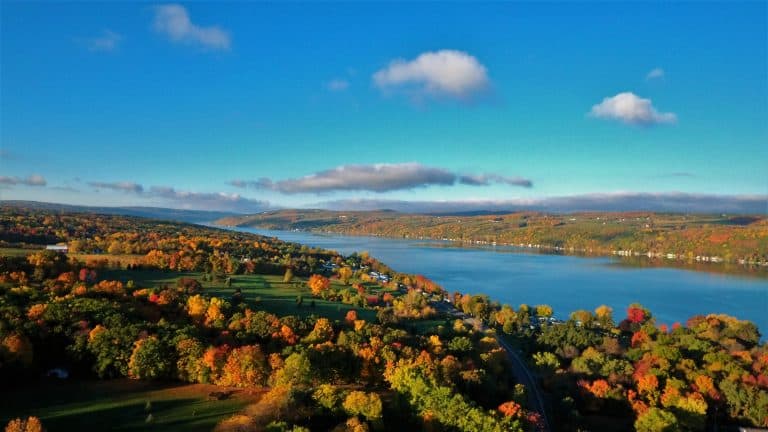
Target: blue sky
244,106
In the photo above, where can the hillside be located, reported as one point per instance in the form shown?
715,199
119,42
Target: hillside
683,237
180,215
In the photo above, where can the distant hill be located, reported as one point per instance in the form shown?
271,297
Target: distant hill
180,215
681,237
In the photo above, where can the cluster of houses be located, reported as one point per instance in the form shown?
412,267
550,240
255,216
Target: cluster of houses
331,267
670,256
381,277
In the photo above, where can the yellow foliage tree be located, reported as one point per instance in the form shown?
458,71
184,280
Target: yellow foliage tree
323,331
197,307
366,404
345,274
214,314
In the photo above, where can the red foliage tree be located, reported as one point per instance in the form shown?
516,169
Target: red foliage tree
635,315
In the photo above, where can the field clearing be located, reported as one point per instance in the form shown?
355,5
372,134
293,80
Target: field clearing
265,292
120,405
16,252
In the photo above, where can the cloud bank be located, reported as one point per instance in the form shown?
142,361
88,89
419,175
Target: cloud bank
173,21
450,73
678,202
208,200
119,186
377,178
631,109
32,180
487,179
187,199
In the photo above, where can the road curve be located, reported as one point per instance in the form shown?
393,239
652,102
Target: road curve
526,378
522,374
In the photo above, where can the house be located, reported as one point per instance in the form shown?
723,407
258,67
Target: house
58,248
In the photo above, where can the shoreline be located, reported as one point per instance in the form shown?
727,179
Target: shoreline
709,264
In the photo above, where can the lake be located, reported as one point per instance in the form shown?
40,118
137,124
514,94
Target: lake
567,283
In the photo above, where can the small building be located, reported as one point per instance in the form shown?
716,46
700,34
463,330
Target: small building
58,248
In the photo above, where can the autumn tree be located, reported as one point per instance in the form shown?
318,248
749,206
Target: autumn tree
345,273
245,366
604,315
149,360
367,405
297,370
29,424
189,352
288,276
322,331
351,316
328,397
656,420
318,284
544,311
18,348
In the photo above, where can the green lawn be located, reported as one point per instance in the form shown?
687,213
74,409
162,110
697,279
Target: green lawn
266,292
14,252
119,405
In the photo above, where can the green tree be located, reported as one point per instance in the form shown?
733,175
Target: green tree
149,360
656,420
297,370
546,362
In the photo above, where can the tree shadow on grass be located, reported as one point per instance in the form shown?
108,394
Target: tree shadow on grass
113,405
167,415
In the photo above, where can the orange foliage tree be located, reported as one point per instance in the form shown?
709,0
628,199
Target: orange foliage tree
30,424
318,284
245,366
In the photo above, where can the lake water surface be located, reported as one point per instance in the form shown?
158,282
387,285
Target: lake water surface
566,283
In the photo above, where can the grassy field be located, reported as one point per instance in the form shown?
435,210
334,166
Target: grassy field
120,405
265,292
14,252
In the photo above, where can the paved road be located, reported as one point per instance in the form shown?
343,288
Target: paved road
524,377
522,374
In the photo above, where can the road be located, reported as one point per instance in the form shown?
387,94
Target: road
521,372
524,376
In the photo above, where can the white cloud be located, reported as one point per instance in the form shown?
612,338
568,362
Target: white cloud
33,180
655,73
173,21
441,73
629,108
108,41
337,84
377,178
119,186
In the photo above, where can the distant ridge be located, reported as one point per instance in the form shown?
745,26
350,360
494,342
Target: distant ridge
180,215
